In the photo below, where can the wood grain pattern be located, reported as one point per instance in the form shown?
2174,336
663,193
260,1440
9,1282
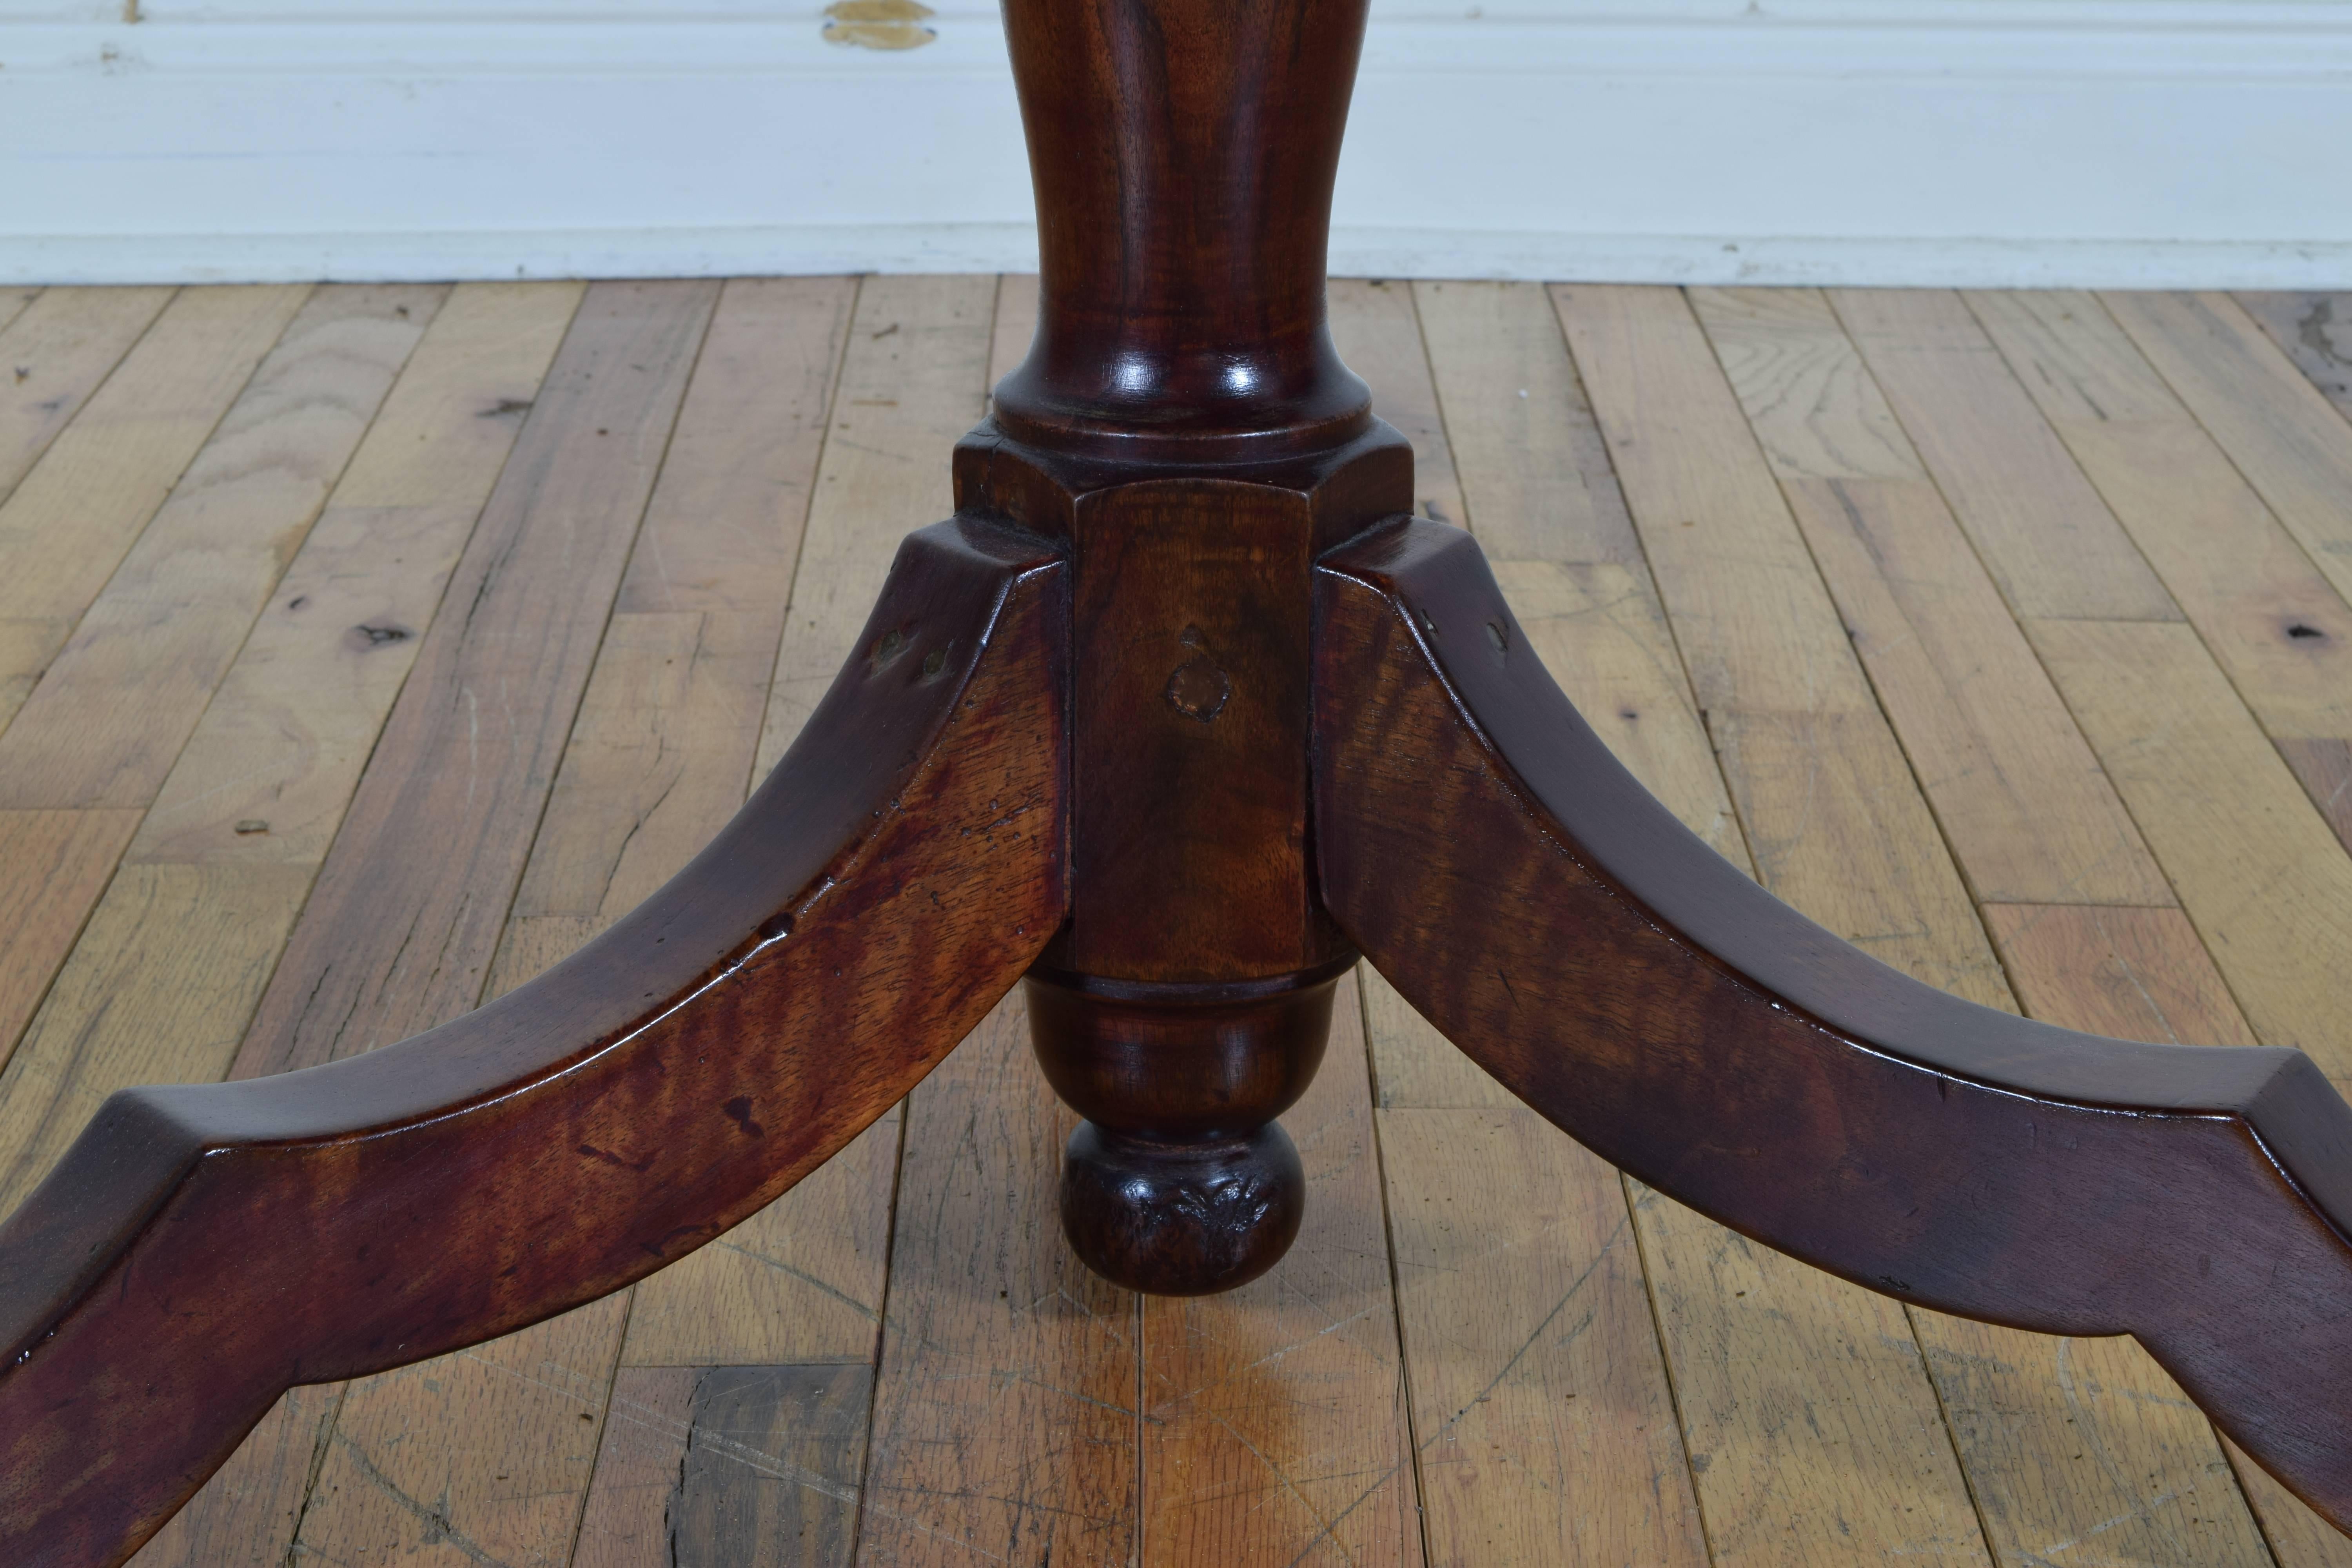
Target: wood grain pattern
1532,464
298,712
2060,1441
1742,1362
2271,620
710,992
640,789
71,520
729,1466
423,1461
179,950
670,724
2046,537
56,866
1275,1420
391,943
2020,799
2265,883
1005,1422
1542,1416
178,608
2142,974
2293,446
1375,326
1206,141
911,382
1816,1174
56,351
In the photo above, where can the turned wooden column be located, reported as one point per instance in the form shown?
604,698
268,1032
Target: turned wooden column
1183,420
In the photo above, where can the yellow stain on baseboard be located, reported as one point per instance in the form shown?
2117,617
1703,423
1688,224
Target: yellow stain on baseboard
878,23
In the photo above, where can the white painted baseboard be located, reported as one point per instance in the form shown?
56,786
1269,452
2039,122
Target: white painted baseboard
2118,143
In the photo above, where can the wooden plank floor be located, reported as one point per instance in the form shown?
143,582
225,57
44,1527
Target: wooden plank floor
364,650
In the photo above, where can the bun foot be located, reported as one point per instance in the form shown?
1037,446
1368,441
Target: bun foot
1179,1182
1181,1219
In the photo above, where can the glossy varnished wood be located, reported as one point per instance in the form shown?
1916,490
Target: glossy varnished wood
885,886
1586,949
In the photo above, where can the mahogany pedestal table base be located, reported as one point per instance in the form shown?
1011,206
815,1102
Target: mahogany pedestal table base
1177,717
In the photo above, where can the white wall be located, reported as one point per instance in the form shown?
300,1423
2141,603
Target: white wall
2084,142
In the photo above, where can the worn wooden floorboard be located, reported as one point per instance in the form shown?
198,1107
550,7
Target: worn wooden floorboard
261,789
1807,1404
2066,1441
1967,621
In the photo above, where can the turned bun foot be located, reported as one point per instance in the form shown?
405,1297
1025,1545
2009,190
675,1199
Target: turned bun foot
1181,1219
1179,1182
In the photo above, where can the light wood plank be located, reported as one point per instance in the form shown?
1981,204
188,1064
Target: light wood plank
2268,886
1005,1412
14,302
71,518
285,738
648,1423
1377,329
1014,327
2269,615
1276,1429
54,354
2029,815
157,990
163,977
1813,1428
912,384
1822,789
53,866
470,1496
2130,975
111,713
1534,1361
2257,600
2044,534
1522,438
392,941
246,1514
802,1281
662,751
2290,442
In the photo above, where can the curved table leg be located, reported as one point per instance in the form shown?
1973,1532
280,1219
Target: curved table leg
1517,886
202,1248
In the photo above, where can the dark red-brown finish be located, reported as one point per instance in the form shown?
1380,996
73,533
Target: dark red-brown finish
1183,153
202,1248
1522,890
1171,707
1178,1182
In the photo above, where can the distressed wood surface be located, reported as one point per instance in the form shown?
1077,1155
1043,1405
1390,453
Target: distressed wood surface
981,1432
2063,1440
74,515
2293,446
658,759
56,351
1787,1378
